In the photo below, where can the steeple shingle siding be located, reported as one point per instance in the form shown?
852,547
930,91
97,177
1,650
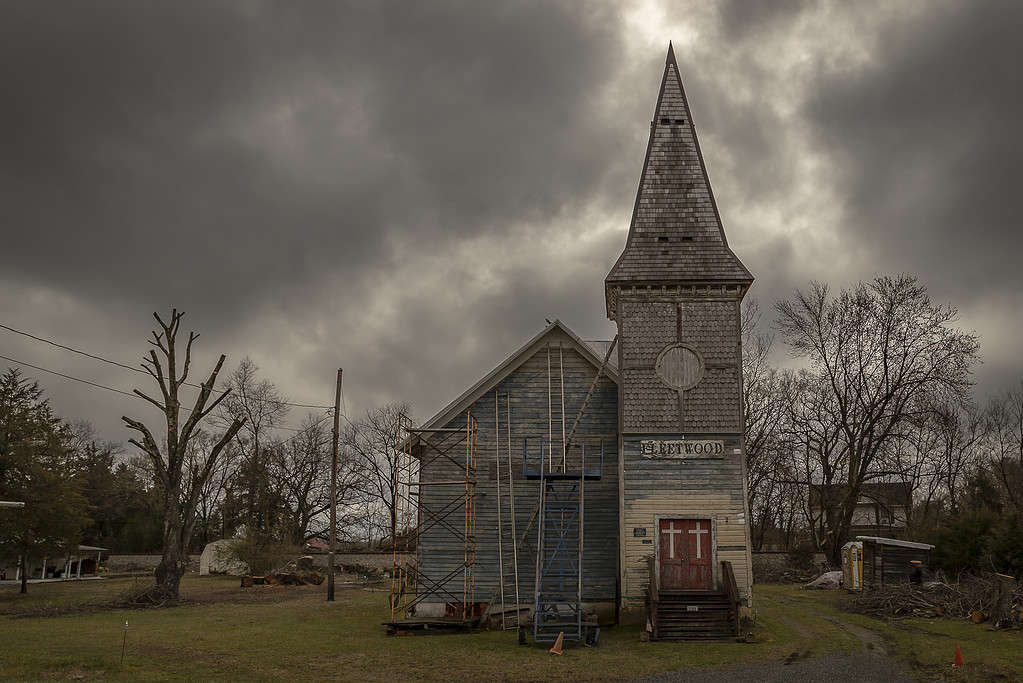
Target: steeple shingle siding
676,234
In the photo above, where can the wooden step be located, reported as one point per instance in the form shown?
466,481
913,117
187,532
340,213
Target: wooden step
693,615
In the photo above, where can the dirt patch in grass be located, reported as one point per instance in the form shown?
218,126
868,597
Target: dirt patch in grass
925,644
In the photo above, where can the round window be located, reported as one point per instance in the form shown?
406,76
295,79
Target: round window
680,367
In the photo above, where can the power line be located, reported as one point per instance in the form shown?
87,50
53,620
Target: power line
76,379
298,432
97,385
135,369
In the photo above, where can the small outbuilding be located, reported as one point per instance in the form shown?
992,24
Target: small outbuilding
82,563
218,558
873,561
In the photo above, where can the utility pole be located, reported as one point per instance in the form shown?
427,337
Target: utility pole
333,491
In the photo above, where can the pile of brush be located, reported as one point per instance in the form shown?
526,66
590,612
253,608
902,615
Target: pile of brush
991,597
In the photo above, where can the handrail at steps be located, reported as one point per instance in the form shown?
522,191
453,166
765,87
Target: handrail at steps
655,580
653,595
731,590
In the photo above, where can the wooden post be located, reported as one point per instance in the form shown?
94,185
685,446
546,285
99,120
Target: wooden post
500,525
511,505
333,491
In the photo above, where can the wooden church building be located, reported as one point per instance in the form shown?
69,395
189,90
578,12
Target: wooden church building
574,484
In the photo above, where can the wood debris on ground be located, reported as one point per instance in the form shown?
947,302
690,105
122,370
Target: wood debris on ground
299,572
978,598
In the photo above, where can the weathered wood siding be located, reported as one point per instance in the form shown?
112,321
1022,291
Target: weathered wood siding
885,565
650,322
439,550
710,488
676,289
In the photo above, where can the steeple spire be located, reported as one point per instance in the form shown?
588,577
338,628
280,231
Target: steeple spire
676,234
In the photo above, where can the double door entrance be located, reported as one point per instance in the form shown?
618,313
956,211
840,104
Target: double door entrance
684,554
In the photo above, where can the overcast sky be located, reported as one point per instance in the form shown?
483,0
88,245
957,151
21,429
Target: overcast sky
408,189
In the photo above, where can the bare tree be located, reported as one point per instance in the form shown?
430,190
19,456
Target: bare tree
213,491
1005,423
262,407
912,455
960,430
181,486
375,442
812,440
763,410
301,468
876,350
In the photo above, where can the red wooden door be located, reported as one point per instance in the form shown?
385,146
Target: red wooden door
684,554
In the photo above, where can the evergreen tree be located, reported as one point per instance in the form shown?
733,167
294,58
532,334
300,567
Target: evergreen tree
35,451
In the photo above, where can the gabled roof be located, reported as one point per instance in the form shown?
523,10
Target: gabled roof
676,233
512,363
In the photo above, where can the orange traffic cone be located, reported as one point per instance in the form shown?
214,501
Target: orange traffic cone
556,650
958,661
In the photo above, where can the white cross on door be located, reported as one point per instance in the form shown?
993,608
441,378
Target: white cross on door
698,531
671,531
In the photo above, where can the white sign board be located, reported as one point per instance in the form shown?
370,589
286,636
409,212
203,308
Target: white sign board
682,449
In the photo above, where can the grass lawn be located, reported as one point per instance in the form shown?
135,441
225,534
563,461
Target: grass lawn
925,646
225,632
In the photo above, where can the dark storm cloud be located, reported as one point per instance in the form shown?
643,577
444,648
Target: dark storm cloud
926,139
273,168
409,189
741,17
253,145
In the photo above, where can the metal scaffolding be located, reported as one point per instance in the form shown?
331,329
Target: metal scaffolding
558,591
446,509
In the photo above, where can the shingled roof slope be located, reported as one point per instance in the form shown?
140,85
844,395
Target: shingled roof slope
676,233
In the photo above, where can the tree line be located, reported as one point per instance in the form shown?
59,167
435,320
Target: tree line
879,391
218,469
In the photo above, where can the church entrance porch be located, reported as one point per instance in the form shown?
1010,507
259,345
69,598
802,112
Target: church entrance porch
690,596
685,554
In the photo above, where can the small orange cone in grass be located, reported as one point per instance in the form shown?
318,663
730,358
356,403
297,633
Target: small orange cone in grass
958,661
556,650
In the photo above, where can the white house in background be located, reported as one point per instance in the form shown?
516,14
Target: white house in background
882,508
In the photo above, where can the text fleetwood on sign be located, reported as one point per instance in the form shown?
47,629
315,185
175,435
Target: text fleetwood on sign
655,448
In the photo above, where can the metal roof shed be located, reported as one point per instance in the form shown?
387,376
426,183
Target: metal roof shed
888,561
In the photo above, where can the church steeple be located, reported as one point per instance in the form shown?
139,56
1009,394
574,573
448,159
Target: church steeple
676,236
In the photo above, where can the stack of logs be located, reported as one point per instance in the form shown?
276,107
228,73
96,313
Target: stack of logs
297,573
991,597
